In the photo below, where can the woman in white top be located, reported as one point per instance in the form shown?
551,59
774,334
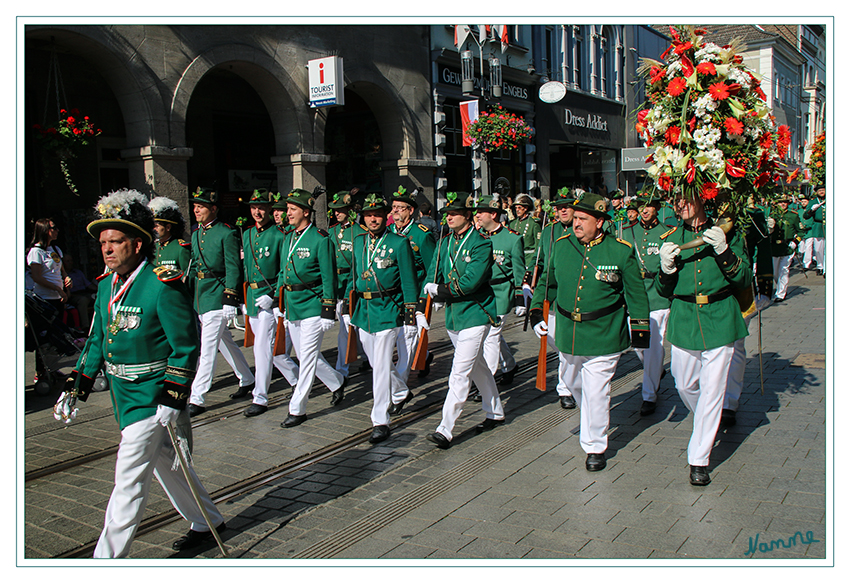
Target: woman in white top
44,260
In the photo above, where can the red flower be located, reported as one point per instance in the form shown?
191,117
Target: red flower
719,91
706,68
71,120
656,74
766,140
664,181
680,49
734,88
692,123
733,126
642,115
733,170
691,171
761,179
671,136
676,86
687,66
783,140
792,176
709,190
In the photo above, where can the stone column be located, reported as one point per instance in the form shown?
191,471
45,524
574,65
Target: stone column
162,170
410,173
304,170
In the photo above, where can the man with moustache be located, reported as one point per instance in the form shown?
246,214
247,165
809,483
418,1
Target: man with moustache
217,271
525,225
592,278
386,293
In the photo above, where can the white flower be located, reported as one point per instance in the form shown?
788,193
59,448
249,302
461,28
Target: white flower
708,52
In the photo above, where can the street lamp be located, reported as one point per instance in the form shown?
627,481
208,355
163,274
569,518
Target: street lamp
495,77
467,72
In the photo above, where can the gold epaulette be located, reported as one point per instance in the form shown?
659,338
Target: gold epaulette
423,227
624,242
563,236
184,243
167,273
670,232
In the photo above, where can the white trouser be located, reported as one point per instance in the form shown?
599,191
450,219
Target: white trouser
496,352
781,266
284,363
263,326
735,379
385,378
469,366
561,387
341,341
589,380
406,349
307,340
806,249
140,457
653,357
216,337
819,252
701,377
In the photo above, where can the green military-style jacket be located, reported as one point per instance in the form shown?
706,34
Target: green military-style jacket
463,266
154,326
508,268
175,253
262,248
308,274
695,324
646,241
384,282
667,216
786,229
216,267
818,218
584,279
529,230
342,236
423,242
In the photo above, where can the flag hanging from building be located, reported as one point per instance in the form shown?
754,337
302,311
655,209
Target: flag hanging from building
502,30
461,32
468,114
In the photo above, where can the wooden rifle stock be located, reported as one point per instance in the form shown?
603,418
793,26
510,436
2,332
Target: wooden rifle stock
280,331
351,346
541,356
249,334
421,354
528,302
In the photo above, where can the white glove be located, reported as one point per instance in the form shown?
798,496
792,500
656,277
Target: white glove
818,205
421,322
277,313
346,319
326,324
667,253
410,332
431,289
527,292
771,222
541,329
793,245
716,238
437,306
244,309
520,311
228,312
166,415
65,409
264,302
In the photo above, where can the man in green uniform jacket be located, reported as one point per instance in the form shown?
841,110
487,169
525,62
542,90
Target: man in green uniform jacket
308,279
460,277
172,252
646,236
385,292
217,269
816,211
784,237
593,278
140,336
525,225
705,320
423,242
506,280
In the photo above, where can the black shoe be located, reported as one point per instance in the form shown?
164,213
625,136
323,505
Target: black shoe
365,367
508,377
595,462
395,408
440,440
488,424
699,476
379,433
647,408
474,395
427,370
243,392
820,272
727,418
778,300
255,410
195,409
567,402
293,420
195,538
663,374
337,396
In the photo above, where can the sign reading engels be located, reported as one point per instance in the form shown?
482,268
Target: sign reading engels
326,81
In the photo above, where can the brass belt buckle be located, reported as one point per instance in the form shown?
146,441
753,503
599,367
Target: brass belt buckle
702,299
367,295
200,275
288,287
575,316
253,285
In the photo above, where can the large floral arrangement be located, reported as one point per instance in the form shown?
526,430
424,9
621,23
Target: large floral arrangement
817,161
72,132
498,129
706,119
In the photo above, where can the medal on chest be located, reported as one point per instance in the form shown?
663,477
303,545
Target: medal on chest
607,273
125,318
302,253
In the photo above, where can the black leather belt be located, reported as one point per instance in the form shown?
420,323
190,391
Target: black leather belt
371,295
702,299
302,286
499,280
340,271
587,316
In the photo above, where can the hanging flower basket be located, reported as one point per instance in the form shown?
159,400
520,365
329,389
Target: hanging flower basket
707,122
498,129
64,140
817,161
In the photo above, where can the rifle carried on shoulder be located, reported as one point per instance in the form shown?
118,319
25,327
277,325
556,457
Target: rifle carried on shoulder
351,346
421,354
249,334
280,331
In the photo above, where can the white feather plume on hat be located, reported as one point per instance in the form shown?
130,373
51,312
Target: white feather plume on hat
161,203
